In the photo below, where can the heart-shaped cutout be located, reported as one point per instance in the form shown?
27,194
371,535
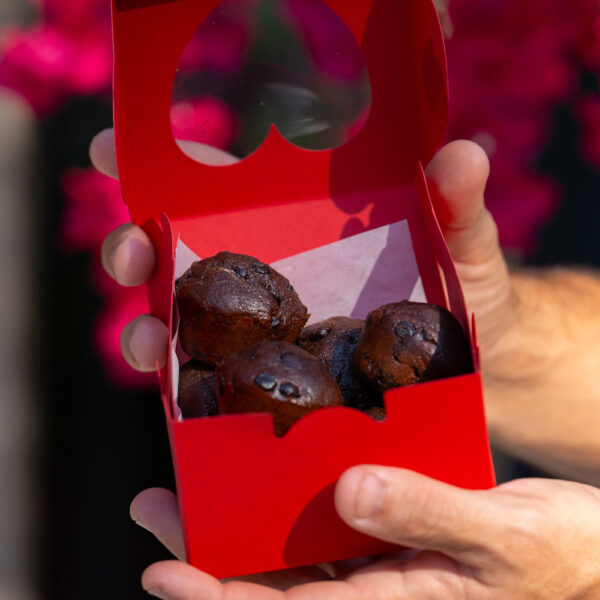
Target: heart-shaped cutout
255,63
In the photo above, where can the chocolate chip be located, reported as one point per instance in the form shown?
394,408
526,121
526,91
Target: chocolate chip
354,336
289,390
260,268
265,381
404,329
275,323
241,271
320,334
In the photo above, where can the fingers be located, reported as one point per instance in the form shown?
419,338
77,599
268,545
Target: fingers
435,576
103,154
178,581
284,580
457,176
156,510
128,255
408,509
144,343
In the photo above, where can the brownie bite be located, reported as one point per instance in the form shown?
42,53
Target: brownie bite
197,396
277,378
333,342
232,301
411,342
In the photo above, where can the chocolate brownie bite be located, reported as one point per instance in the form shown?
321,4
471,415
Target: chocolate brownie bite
333,342
232,301
197,396
277,378
411,342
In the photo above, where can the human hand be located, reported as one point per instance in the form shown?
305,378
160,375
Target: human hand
525,540
128,256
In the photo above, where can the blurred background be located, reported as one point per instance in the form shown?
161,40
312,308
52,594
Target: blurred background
80,432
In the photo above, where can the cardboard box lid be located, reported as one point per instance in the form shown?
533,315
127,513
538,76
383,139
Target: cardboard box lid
402,44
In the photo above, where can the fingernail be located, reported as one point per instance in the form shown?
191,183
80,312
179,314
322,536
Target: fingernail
127,342
158,593
111,261
122,257
369,497
108,262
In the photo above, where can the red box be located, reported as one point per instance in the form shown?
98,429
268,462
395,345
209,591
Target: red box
250,501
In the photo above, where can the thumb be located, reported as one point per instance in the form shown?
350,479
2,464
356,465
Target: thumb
457,176
408,509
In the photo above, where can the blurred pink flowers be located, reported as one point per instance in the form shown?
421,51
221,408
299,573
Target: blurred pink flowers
510,65
206,119
68,53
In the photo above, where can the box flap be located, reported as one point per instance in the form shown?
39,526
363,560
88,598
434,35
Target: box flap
404,53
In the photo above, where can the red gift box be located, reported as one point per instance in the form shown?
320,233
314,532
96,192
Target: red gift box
250,501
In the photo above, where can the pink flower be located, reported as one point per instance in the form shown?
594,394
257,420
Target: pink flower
94,208
206,119
46,65
510,64
521,205
34,65
76,16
